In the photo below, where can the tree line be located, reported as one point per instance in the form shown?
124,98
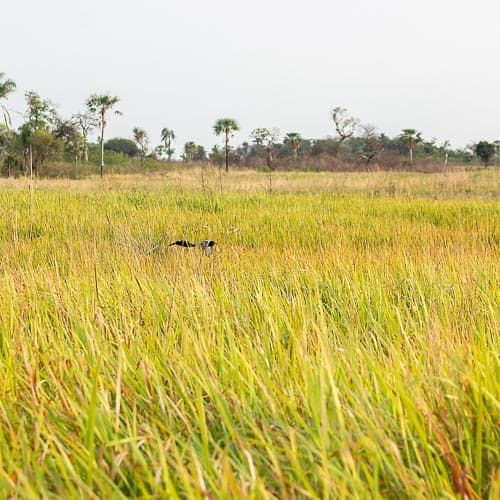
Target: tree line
44,135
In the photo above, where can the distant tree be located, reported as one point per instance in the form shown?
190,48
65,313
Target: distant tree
189,151
40,113
42,144
100,104
293,139
10,161
345,125
371,144
266,137
485,151
122,145
159,151
142,140
200,153
412,137
87,122
226,126
64,129
193,152
74,143
35,138
8,151
167,136
6,87
259,136
216,156
4,136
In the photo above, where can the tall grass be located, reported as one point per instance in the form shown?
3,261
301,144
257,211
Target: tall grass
334,346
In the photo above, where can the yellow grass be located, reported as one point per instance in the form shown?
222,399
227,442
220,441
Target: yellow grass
342,341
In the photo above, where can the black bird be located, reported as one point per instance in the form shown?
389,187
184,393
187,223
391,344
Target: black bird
207,246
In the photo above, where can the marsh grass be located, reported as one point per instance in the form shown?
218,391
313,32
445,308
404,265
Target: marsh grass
338,344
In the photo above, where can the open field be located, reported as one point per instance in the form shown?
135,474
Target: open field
458,183
343,340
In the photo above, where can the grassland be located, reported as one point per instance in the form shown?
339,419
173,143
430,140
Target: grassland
343,341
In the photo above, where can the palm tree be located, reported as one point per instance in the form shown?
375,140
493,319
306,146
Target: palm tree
6,87
142,140
167,136
189,151
101,104
226,126
294,139
412,137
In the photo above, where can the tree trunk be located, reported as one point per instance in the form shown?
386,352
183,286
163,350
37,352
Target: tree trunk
410,156
169,150
31,163
102,145
445,163
269,158
227,150
85,149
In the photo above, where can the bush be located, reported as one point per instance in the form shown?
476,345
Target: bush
122,145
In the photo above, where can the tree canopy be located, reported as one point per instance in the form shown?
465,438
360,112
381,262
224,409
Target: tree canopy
485,151
122,145
345,124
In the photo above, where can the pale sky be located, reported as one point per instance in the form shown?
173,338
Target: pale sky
433,65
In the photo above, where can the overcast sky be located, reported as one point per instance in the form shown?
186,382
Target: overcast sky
433,65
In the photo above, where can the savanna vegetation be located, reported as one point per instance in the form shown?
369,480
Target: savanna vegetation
341,342
48,145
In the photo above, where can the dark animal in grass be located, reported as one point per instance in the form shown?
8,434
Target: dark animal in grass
207,246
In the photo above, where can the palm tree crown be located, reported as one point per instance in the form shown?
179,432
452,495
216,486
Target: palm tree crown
6,87
167,134
102,103
226,126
